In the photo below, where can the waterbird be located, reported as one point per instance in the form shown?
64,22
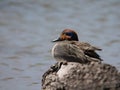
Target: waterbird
68,48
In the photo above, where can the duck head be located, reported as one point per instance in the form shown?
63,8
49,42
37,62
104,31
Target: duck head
69,35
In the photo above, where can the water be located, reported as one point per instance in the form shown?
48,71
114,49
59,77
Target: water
27,28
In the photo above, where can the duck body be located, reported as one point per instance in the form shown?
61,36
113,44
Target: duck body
66,51
73,51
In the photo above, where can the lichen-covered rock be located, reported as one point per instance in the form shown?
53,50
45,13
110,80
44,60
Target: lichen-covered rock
77,76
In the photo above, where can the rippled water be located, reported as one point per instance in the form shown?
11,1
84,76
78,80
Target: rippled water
27,28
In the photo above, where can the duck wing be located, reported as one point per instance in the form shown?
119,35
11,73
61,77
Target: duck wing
89,50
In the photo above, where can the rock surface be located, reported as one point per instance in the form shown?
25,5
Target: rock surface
77,76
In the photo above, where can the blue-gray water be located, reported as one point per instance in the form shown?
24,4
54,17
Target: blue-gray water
27,28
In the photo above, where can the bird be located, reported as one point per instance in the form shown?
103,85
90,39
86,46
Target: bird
68,48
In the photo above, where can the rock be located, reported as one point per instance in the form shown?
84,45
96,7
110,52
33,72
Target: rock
77,76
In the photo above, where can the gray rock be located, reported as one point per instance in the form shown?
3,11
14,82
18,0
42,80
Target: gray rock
77,76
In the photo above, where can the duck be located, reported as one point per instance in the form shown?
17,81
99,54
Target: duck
68,48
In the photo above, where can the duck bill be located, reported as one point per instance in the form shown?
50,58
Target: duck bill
57,40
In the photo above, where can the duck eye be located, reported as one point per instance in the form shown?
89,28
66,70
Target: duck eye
69,34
